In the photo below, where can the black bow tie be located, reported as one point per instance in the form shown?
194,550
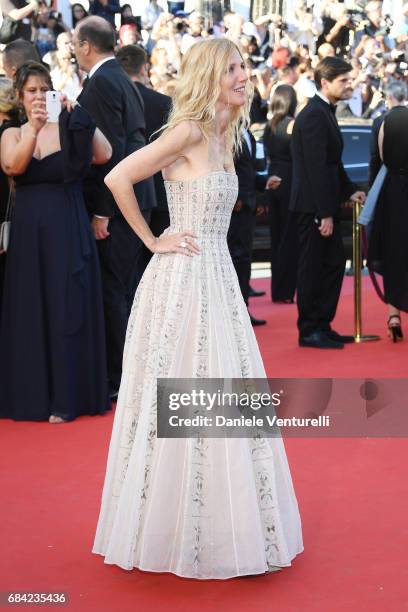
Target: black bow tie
333,108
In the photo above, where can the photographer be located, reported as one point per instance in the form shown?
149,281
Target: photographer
336,29
251,51
374,16
63,67
23,13
164,36
194,33
45,36
376,25
234,24
151,14
306,27
269,32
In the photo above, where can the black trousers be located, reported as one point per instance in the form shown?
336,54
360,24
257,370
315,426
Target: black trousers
122,260
320,275
2,271
240,238
284,249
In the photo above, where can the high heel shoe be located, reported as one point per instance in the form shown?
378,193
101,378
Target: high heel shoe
395,330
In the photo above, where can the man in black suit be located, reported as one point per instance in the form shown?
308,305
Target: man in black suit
241,229
157,106
117,108
319,186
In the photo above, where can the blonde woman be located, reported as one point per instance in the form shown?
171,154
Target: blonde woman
199,508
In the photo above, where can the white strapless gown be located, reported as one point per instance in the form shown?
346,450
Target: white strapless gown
207,508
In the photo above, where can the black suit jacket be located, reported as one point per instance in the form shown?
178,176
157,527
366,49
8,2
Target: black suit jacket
156,111
319,182
245,163
117,109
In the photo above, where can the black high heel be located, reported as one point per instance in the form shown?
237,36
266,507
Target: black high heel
395,331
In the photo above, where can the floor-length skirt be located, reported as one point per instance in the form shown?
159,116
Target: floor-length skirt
200,508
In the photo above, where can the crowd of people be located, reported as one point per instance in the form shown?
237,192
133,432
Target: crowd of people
123,70
372,35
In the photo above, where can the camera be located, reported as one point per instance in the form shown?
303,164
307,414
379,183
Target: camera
386,26
375,82
357,18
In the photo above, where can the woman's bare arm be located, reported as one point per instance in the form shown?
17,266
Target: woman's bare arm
101,148
381,140
18,144
145,162
19,14
17,148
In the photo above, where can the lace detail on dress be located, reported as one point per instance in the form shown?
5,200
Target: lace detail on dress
188,320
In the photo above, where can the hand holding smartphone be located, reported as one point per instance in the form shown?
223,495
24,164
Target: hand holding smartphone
53,105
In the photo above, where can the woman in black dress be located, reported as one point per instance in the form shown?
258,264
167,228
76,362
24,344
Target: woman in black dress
52,355
388,246
283,228
8,118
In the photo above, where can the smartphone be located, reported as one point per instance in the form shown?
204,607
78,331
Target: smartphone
53,105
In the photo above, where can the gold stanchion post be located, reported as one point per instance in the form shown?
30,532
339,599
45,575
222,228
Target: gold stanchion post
357,264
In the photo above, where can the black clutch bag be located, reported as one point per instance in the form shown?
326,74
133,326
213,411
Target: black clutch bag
5,226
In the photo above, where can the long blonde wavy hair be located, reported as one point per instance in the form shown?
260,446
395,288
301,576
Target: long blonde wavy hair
199,86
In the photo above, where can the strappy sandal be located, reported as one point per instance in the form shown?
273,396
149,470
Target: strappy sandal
394,329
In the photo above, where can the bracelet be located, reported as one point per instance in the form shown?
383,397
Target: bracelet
32,134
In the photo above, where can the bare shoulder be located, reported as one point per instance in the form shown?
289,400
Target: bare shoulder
12,133
195,133
190,129
185,133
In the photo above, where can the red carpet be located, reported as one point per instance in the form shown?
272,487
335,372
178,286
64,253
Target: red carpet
283,357
353,496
